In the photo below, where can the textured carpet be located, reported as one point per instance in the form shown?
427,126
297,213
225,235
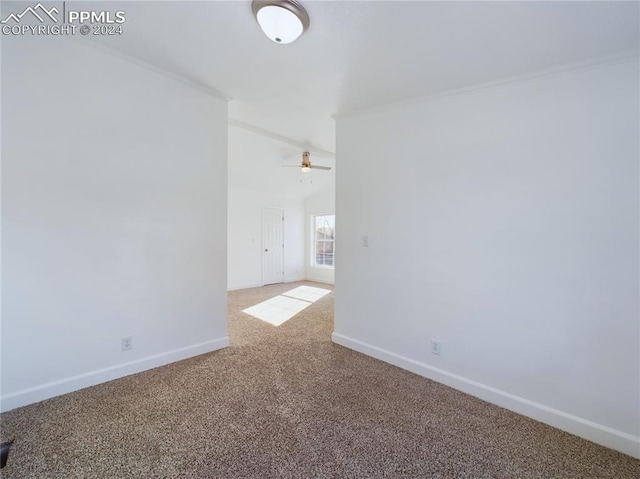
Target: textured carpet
285,402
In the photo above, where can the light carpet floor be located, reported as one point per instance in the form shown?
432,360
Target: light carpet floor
285,402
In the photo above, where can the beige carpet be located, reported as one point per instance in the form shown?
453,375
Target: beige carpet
284,402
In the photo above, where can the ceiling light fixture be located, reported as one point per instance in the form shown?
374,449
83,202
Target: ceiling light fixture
306,165
281,20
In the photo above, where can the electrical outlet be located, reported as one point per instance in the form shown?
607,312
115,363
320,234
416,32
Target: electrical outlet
436,347
127,344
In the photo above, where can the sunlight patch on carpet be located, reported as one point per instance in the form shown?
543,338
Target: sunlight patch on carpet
285,306
307,293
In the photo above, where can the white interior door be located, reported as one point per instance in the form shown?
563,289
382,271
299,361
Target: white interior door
272,245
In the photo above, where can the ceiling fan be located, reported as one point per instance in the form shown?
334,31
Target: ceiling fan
306,165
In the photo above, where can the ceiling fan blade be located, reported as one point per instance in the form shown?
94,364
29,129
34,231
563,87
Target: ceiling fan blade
316,167
290,166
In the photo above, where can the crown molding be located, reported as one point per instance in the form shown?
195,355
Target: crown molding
284,139
201,87
627,56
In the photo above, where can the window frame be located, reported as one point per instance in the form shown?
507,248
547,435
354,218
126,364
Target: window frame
314,241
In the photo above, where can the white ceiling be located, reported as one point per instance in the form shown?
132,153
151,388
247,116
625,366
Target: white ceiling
361,54
256,162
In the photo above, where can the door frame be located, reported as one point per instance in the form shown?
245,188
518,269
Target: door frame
262,242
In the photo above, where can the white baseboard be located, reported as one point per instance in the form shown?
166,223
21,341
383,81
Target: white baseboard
320,280
259,285
67,385
603,435
244,286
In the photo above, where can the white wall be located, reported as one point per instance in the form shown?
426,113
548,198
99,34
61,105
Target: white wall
503,223
114,213
245,237
323,202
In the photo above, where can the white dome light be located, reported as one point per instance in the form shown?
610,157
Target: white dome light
281,20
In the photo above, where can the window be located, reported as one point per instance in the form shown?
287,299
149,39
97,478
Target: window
324,227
